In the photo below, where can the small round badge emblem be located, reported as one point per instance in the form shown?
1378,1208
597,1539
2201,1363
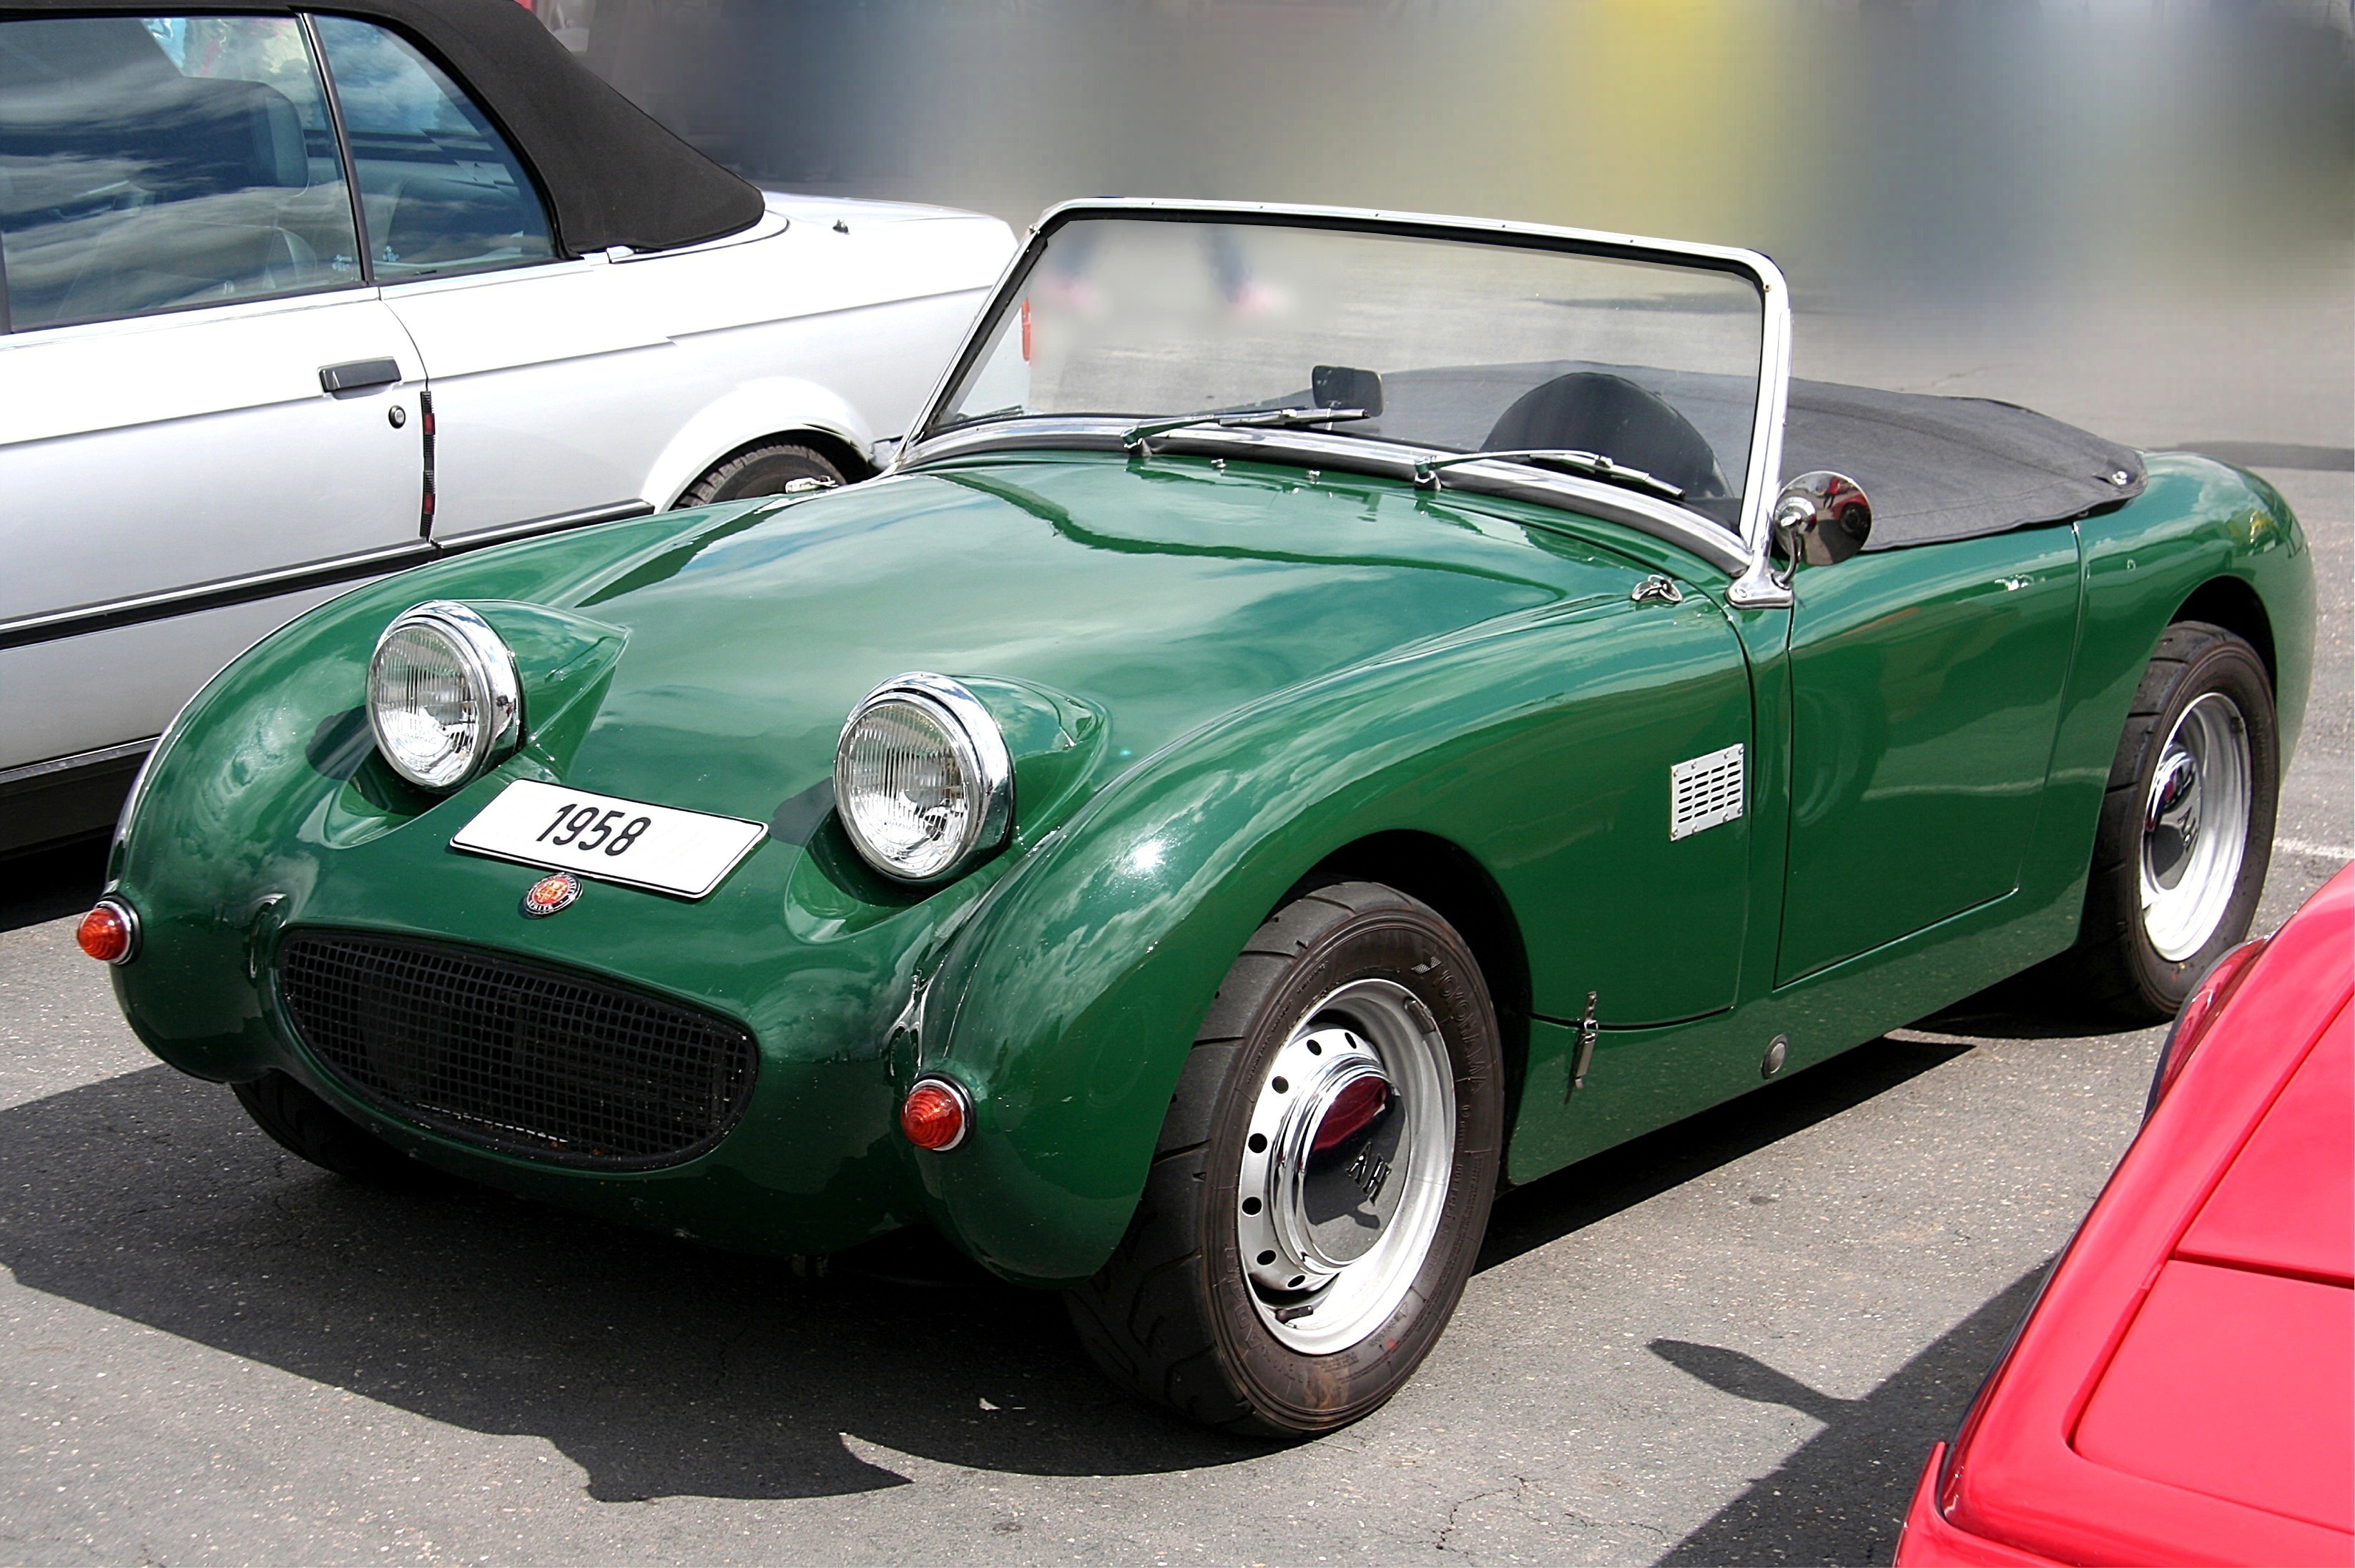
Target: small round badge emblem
550,893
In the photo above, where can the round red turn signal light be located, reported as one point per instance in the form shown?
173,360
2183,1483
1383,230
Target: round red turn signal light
110,932
935,1115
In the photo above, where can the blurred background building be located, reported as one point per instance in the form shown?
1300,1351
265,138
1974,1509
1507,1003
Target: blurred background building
1950,150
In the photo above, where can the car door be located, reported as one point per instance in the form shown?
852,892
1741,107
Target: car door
183,290
1621,831
1926,689
533,360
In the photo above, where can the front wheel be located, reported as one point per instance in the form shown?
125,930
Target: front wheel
2187,826
1323,1177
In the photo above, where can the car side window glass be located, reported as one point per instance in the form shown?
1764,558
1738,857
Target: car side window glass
441,191
152,164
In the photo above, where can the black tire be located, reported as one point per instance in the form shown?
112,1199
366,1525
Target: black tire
764,469
1173,1316
2115,968
306,1125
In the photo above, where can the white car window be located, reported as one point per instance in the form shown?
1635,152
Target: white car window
154,164
440,189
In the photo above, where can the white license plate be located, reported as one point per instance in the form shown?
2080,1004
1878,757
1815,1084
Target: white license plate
638,845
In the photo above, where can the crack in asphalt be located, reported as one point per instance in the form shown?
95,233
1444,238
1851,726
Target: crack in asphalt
1439,1542
1521,1485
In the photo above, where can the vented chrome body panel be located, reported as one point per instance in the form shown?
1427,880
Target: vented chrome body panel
1705,791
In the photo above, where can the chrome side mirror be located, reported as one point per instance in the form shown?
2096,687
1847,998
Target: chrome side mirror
1821,518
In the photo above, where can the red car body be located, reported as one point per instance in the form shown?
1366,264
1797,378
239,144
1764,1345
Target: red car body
2183,1391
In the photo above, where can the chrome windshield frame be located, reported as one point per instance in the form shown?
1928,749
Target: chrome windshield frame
1742,553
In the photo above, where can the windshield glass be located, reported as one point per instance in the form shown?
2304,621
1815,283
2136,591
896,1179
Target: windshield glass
1478,345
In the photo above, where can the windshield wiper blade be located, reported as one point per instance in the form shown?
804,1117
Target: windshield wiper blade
1590,465
1248,419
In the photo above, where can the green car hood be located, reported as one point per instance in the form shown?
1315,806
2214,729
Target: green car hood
1160,598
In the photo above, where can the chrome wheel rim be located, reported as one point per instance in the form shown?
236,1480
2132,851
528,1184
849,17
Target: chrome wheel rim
2195,827
1345,1166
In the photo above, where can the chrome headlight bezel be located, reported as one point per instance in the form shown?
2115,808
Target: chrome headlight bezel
493,686
980,755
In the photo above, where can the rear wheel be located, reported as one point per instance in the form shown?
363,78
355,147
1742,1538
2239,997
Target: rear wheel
1322,1181
765,469
304,1125
2187,825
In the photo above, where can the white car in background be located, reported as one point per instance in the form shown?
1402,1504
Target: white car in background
291,299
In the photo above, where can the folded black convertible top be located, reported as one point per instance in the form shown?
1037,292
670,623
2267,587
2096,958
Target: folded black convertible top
1953,468
612,175
1934,468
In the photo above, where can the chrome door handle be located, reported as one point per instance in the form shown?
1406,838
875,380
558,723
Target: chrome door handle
358,375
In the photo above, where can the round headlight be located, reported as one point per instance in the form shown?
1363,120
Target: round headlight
443,696
922,778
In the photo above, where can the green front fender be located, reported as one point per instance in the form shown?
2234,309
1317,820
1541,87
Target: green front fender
1068,1005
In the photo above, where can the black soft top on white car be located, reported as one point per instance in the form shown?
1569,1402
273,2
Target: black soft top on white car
610,174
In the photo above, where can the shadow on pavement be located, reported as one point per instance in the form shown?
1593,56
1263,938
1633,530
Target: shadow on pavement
663,1369
51,884
1841,1497
2035,1004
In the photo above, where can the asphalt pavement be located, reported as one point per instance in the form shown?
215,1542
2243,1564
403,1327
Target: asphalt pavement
1732,1341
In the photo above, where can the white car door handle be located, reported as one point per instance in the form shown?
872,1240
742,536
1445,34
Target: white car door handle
357,375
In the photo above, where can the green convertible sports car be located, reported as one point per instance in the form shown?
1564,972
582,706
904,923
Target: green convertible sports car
1327,712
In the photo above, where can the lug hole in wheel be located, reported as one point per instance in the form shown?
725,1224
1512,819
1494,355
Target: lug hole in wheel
1280,1086
1297,1281
1251,1205
1266,1258
1315,1049
1258,1144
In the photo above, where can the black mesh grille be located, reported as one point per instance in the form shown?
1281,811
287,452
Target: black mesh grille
515,1058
